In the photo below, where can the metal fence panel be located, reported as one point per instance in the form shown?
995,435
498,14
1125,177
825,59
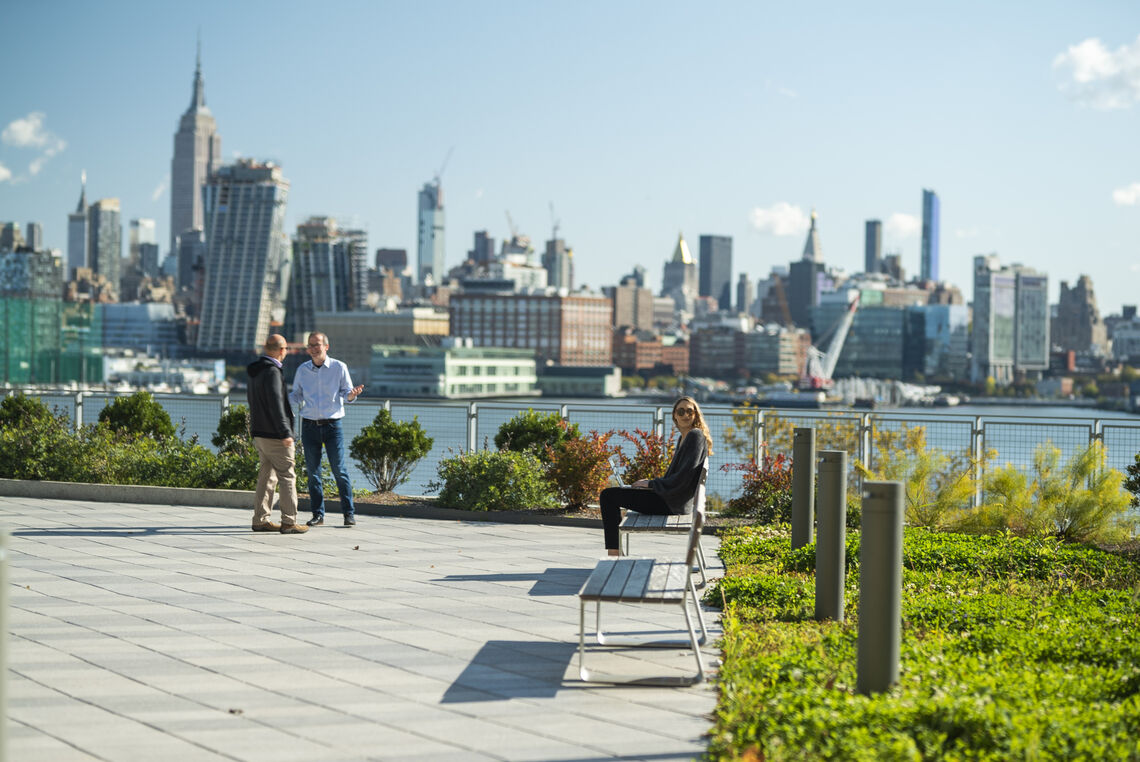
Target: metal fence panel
1017,441
1121,443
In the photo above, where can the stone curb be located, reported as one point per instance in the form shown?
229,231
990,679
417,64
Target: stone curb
243,499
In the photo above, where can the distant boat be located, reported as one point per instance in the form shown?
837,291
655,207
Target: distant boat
946,400
792,399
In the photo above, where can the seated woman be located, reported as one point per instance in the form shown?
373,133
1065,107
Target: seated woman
671,493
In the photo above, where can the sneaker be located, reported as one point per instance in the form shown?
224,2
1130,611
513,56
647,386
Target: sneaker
349,522
315,522
293,529
268,526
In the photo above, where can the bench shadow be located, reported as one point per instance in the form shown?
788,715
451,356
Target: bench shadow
553,581
510,669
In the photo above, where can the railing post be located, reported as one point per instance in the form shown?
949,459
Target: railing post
978,447
564,412
757,438
659,422
880,587
388,405
803,486
866,429
472,425
831,538
78,410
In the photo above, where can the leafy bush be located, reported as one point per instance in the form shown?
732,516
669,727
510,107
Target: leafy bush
535,433
1081,500
766,493
139,414
233,430
1012,648
489,480
938,486
579,469
387,450
651,455
20,410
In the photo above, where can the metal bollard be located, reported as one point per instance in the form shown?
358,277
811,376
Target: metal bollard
803,486
880,587
831,535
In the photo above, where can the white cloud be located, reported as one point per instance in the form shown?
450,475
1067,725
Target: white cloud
29,132
1095,76
902,225
1127,196
5,173
156,194
780,219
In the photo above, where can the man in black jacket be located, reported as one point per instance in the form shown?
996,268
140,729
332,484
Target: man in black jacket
271,426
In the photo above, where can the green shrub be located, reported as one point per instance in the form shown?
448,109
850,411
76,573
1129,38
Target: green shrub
233,430
19,410
139,414
489,480
938,486
387,450
766,493
1080,501
579,469
651,455
1132,483
535,433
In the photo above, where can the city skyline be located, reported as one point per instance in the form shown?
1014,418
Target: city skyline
759,115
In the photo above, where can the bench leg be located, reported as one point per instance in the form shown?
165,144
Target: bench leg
701,564
662,680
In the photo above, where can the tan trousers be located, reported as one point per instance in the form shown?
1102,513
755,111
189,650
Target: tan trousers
276,465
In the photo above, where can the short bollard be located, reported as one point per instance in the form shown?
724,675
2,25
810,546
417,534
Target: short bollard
3,644
880,587
803,486
831,535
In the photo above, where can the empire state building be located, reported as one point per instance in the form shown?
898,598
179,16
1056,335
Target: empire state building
197,153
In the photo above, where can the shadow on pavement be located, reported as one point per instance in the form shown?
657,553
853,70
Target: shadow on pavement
553,581
508,669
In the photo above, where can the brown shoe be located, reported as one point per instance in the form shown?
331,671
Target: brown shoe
294,529
268,526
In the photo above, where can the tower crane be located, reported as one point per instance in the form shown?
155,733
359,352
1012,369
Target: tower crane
555,223
821,365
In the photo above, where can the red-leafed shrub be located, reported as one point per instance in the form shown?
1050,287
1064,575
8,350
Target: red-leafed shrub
651,455
766,492
579,468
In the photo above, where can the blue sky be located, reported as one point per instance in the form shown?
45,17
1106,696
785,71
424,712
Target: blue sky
637,120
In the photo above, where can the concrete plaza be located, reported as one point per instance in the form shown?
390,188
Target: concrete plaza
166,633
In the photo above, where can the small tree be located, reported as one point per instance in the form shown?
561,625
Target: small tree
490,480
535,433
1132,484
20,410
579,469
139,414
766,492
387,450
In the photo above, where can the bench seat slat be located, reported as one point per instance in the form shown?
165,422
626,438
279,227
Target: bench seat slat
635,586
597,579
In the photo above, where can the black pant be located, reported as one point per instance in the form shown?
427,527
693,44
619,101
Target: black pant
637,499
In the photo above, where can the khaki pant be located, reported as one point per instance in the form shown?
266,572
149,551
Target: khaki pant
276,465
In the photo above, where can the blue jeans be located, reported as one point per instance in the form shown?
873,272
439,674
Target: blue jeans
331,437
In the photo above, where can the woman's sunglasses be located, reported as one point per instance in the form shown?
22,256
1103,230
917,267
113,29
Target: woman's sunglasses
684,411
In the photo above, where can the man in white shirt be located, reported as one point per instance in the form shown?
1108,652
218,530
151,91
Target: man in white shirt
320,389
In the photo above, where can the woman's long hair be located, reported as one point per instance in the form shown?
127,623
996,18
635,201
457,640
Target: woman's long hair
698,419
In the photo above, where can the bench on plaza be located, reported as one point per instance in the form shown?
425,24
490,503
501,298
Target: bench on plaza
635,522
652,582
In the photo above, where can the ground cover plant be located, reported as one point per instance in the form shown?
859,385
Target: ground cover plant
1012,648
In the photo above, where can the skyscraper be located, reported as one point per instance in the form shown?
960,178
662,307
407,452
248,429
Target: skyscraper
484,249
805,278
429,242
559,264
77,232
197,153
873,247
716,269
105,240
930,226
744,292
34,238
329,273
1011,321
246,253
679,280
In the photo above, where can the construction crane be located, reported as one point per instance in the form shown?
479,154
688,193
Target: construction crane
821,365
511,224
443,166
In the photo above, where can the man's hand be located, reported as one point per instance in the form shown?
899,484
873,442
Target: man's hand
288,442
355,393
642,483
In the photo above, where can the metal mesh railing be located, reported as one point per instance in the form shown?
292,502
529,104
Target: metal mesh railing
1121,444
1015,443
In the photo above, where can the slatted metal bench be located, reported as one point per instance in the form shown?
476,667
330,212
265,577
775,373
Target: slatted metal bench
635,522
646,581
